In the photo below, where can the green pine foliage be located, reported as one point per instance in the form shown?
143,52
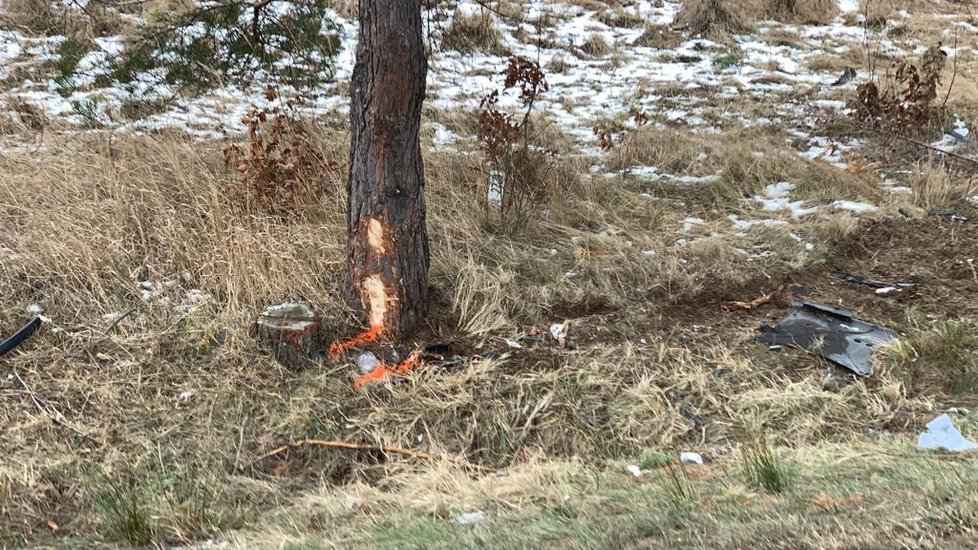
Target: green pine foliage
287,42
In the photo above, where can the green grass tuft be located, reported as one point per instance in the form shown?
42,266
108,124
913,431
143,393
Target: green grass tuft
763,468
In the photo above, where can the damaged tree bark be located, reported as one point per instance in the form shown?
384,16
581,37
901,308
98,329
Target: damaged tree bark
388,244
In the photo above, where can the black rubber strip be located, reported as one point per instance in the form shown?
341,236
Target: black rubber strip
19,336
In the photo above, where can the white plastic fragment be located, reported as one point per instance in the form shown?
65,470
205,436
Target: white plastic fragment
558,331
471,517
513,344
35,309
634,470
941,434
367,362
887,290
691,458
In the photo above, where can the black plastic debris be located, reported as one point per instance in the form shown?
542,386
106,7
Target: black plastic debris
23,334
696,419
948,214
846,76
829,332
441,354
859,280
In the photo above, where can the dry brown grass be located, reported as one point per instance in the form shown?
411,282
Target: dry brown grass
806,12
717,19
159,397
744,162
935,187
472,32
41,17
36,16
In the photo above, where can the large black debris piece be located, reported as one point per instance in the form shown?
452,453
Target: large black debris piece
18,337
829,332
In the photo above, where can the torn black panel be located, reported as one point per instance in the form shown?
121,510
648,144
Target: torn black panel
829,332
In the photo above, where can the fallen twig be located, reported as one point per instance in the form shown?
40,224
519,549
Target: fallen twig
974,272
755,303
922,144
119,319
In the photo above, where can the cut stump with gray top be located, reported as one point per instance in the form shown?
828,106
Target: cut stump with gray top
289,331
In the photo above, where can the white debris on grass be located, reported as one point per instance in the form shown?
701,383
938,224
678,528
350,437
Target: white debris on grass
471,517
691,222
558,331
35,309
690,458
635,470
941,434
367,362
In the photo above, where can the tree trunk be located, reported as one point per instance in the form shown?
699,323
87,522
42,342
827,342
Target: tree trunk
388,242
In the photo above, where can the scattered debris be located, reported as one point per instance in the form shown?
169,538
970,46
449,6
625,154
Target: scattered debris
941,434
948,214
471,517
882,287
23,334
696,419
559,332
289,329
690,458
829,332
635,470
513,344
441,354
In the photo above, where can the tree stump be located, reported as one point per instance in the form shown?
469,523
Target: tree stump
289,330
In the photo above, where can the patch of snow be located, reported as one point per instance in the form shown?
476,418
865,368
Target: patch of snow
852,206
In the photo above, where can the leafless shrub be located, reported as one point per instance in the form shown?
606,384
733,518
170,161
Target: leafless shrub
907,101
521,176
279,171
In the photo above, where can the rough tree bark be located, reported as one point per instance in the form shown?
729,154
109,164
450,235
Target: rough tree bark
388,243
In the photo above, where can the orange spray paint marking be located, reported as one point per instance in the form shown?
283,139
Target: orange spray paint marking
338,348
375,298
